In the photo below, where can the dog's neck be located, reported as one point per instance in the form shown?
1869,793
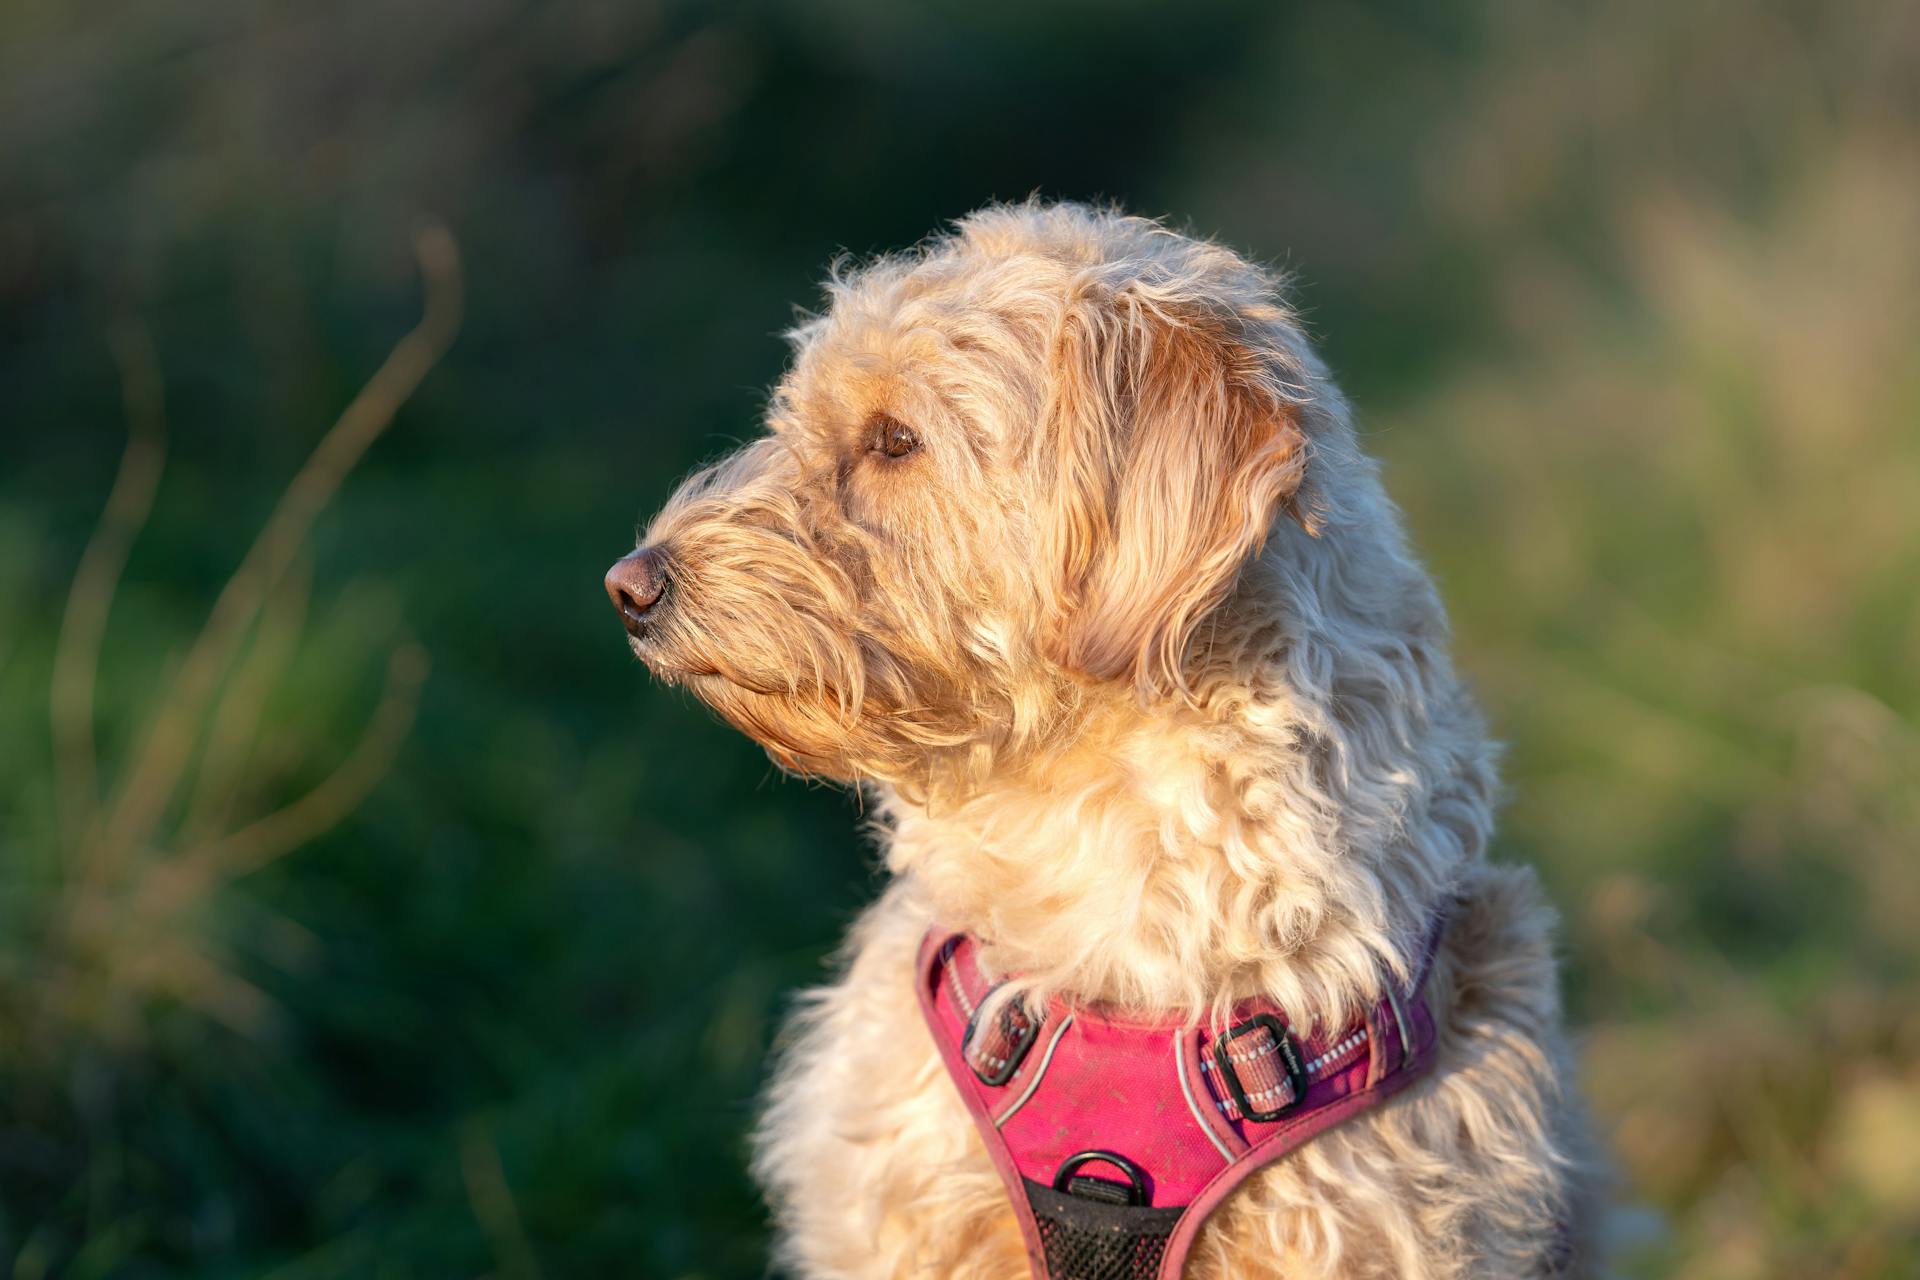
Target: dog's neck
1290,831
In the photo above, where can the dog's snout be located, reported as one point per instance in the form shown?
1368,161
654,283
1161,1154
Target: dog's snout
635,584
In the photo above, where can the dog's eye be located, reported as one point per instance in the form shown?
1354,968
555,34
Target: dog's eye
894,438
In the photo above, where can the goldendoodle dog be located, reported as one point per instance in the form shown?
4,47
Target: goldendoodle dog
1060,547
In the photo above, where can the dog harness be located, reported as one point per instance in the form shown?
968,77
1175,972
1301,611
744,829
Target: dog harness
1067,1098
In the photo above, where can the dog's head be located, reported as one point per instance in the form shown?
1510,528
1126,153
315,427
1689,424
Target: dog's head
1006,479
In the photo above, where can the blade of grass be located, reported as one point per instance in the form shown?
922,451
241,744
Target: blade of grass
236,716
177,882
76,658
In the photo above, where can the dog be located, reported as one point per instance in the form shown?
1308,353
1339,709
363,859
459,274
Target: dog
1060,548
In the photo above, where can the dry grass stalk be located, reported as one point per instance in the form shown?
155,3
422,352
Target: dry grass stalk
119,932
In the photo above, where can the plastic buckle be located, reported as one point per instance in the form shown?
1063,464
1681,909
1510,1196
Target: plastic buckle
1018,1040
1289,1058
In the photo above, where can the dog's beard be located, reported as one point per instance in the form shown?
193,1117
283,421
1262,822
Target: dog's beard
836,712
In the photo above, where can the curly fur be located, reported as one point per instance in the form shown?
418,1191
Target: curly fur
1151,697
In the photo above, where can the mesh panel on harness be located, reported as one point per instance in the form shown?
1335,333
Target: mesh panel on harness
1087,1240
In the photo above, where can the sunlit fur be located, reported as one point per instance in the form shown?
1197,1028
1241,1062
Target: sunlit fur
1145,691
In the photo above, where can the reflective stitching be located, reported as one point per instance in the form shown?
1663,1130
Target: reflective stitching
1038,1072
1206,1064
959,991
1400,1021
1186,1090
1352,1042
1269,1091
1230,1108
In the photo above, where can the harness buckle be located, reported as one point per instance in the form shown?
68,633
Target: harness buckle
1283,1046
1005,1043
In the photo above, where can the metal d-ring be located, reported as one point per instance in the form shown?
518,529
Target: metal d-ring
1136,1178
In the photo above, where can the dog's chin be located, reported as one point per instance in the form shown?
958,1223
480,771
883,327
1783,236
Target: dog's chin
807,730
667,666
798,733
707,676
800,736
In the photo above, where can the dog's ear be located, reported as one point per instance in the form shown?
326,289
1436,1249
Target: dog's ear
1178,441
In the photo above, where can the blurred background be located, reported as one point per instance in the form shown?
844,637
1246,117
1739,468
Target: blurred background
365,911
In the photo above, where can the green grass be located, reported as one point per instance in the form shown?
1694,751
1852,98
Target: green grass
1626,298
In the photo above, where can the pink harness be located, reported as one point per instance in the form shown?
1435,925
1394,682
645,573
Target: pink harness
1182,1114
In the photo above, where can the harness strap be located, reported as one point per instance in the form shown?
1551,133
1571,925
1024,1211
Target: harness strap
1116,1140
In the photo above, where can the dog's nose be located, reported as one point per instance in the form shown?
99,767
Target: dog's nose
635,584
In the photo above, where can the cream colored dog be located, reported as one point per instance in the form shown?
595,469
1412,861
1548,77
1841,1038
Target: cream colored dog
1059,545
